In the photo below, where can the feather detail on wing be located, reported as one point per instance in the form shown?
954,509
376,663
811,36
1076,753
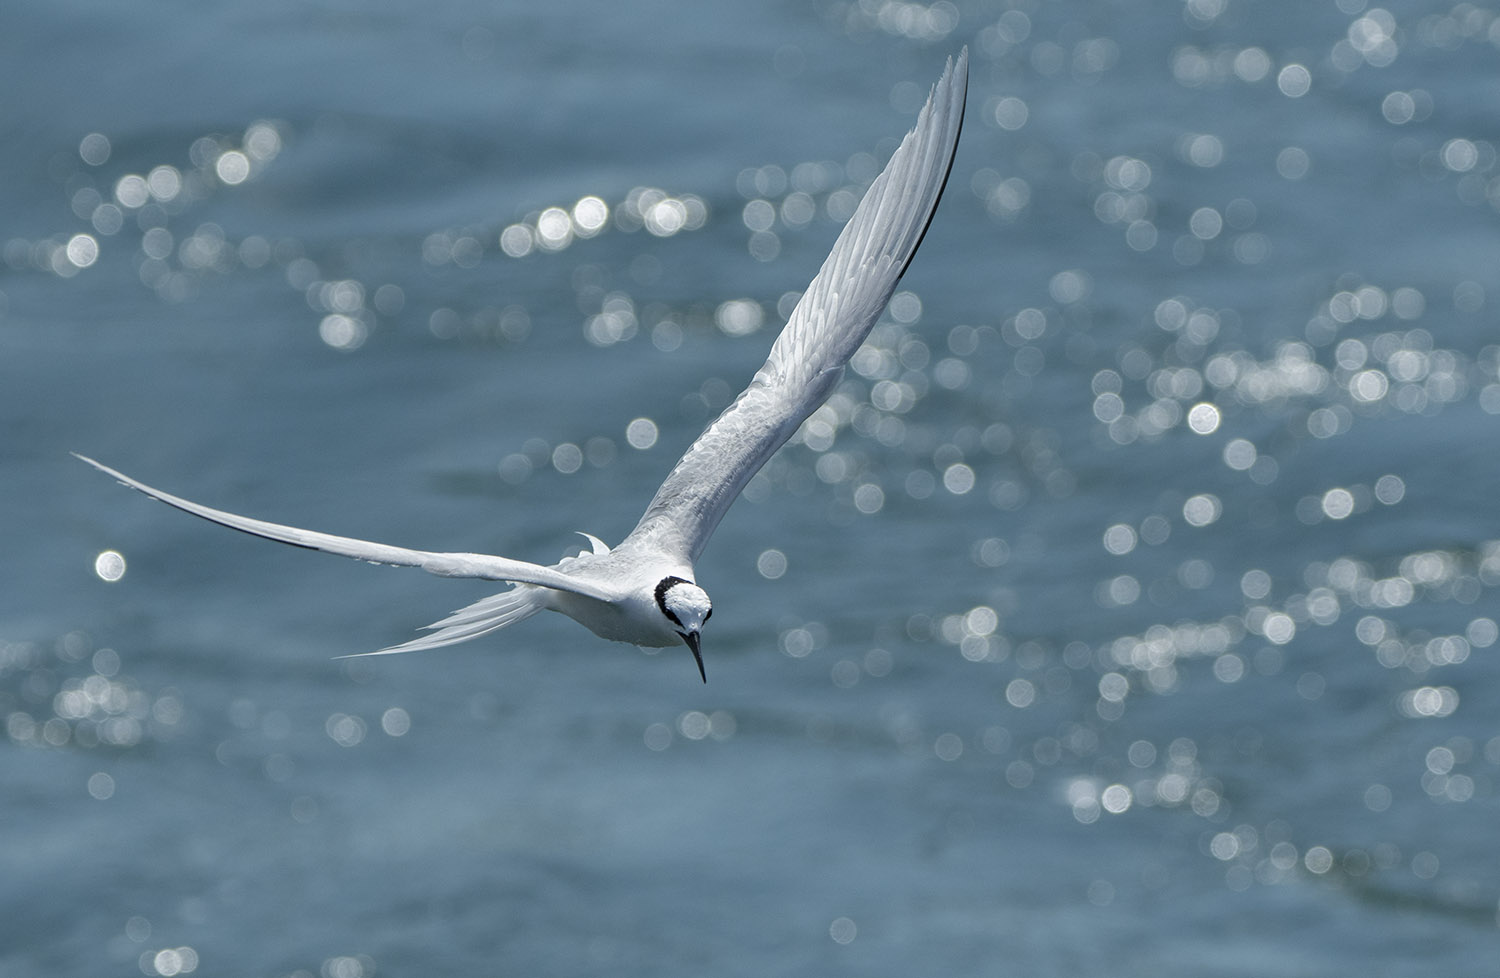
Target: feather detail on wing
484,566
830,322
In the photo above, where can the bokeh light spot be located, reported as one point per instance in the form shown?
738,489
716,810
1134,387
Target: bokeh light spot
641,433
771,564
94,149
109,565
1203,418
1294,81
396,722
1201,510
233,167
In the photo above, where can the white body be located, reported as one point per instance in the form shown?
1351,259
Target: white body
644,591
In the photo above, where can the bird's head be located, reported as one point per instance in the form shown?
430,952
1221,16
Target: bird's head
687,607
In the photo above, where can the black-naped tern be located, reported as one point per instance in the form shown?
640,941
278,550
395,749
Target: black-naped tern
643,591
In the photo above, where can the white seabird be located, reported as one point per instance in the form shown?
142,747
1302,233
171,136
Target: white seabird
643,591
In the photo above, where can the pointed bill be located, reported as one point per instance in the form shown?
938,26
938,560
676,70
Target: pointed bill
692,640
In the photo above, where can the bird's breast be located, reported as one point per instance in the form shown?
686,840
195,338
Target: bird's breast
630,620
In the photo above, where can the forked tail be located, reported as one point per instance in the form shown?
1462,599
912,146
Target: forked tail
480,618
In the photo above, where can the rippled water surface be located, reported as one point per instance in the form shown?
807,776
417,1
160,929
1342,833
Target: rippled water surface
1130,609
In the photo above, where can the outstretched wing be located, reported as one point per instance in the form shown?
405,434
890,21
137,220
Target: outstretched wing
832,319
443,564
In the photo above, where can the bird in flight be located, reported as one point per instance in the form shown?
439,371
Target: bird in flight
643,591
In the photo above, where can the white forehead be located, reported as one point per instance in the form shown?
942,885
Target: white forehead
686,597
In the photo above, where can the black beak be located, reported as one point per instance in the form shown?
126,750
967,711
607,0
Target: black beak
691,638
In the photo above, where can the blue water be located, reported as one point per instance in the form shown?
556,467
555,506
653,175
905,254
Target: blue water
1131,611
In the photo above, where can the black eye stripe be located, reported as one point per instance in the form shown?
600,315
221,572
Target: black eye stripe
665,584
662,587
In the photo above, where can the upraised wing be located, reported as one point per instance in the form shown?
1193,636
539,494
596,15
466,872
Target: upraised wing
832,319
482,566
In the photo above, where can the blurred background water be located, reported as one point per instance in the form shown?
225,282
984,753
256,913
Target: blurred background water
1131,609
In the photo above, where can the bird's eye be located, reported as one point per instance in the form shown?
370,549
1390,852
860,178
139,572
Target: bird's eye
709,615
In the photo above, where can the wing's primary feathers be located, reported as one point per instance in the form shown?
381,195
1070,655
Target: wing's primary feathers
832,319
482,566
